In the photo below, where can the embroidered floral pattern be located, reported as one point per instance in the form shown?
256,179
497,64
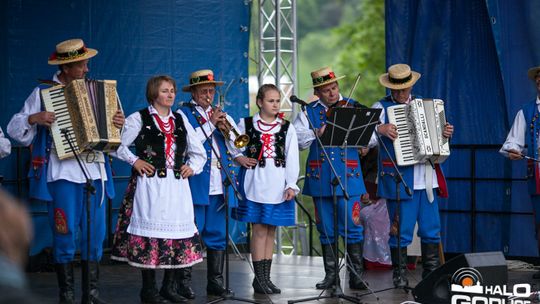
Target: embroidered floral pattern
147,252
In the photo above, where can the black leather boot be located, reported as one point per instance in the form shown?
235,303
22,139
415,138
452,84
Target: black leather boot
259,281
149,293
399,273
215,260
168,287
64,275
267,268
90,296
329,268
183,281
430,258
356,260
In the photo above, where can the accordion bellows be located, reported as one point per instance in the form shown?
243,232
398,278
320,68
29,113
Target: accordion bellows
84,110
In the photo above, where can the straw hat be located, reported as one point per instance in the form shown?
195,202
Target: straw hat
70,51
533,72
399,76
201,77
324,76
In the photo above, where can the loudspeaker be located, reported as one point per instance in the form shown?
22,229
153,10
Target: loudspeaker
435,288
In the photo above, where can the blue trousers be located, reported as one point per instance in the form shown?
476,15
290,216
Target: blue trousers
418,209
348,219
67,217
211,223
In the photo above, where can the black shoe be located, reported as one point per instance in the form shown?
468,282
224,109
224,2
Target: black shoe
399,271
90,296
267,268
259,281
536,276
215,260
149,293
430,258
329,268
168,288
356,263
183,281
64,275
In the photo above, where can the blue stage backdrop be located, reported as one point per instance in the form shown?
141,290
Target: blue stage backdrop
474,54
136,39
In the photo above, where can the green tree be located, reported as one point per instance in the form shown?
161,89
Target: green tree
363,51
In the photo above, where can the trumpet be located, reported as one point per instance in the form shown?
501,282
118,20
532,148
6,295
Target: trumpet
225,127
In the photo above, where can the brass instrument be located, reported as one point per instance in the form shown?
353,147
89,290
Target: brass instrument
225,127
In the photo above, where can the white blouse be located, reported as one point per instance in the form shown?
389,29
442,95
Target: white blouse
162,207
268,184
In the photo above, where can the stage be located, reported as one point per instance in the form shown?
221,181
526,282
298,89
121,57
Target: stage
295,275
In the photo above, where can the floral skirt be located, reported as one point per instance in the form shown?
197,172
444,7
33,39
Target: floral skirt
149,252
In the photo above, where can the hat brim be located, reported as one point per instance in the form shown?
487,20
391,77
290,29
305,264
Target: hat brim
327,81
533,72
89,54
385,82
188,87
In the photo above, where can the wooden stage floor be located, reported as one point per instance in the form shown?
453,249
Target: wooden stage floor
295,275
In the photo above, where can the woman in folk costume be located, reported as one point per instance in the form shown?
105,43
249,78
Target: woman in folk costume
268,178
156,227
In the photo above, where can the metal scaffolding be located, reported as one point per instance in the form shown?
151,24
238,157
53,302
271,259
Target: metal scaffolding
277,47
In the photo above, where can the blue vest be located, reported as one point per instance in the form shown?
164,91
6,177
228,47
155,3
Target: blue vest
387,185
37,175
346,162
530,111
200,183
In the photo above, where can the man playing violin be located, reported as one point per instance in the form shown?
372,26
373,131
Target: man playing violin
318,181
207,187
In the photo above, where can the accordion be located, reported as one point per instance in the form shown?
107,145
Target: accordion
84,110
420,125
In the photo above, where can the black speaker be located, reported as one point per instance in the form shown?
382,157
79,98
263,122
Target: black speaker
435,288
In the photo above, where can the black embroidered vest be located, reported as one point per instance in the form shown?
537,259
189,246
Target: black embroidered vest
253,150
150,144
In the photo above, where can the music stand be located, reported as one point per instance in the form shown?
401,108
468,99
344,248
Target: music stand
345,124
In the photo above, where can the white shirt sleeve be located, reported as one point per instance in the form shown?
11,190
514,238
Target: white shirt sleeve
132,127
304,133
5,145
373,142
195,148
292,159
18,127
516,137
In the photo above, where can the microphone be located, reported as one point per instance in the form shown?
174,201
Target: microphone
409,191
298,101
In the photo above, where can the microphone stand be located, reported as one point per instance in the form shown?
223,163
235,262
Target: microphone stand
229,294
338,292
89,191
398,179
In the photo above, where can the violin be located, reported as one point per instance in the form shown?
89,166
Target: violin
339,104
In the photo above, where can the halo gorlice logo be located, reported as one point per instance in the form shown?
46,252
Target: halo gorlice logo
467,288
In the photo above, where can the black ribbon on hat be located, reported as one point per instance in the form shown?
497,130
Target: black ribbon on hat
400,80
72,54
